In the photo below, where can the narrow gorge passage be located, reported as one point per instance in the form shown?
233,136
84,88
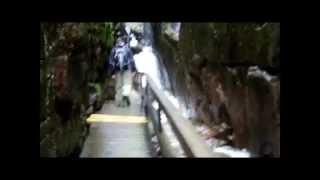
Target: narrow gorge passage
97,97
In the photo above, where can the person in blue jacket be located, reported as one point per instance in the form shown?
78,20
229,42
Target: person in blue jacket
121,66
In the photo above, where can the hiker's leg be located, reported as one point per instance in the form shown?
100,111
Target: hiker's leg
126,99
122,87
118,88
127,84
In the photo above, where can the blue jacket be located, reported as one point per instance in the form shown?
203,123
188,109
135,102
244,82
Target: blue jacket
121,58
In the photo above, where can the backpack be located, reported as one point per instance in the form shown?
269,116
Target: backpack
119,58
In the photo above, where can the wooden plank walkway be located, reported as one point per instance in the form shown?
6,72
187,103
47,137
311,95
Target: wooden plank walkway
118,132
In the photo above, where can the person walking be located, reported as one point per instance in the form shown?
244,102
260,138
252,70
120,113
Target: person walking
122,65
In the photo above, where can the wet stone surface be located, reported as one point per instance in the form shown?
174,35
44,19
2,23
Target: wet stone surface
117,140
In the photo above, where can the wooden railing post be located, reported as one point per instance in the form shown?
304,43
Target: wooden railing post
159,119
146,100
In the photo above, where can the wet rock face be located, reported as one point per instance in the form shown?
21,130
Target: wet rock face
227,42
172,30
263,114
220,84
75,52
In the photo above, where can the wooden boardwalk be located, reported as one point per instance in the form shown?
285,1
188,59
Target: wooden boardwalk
118,132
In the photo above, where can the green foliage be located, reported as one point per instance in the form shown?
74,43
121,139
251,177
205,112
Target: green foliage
109,34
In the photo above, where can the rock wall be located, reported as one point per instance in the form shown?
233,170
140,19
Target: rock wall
227,72
72,56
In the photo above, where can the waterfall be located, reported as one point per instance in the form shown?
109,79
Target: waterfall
149,62
146,62
148,34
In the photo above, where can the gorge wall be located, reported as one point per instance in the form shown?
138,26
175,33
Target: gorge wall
227,72
72,63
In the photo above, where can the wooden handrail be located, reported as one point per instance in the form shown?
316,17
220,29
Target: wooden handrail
192,142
